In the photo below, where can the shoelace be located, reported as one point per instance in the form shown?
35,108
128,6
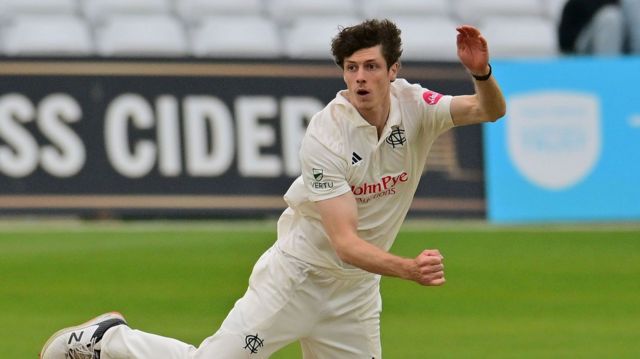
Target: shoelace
79,351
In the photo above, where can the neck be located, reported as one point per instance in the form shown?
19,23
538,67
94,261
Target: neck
377,116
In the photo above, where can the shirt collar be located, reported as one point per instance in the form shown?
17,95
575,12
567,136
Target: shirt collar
394,111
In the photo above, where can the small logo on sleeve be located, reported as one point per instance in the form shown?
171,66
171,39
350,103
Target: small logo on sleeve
431,97
318,175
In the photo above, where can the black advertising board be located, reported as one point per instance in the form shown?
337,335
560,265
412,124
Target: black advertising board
188,138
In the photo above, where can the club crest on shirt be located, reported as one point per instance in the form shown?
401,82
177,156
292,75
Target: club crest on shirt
397,137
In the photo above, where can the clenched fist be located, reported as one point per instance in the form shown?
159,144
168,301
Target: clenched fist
428,268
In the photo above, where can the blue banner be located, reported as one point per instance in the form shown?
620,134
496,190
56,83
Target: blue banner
569,147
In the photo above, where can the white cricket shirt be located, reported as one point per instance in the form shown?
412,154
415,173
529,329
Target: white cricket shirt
341,152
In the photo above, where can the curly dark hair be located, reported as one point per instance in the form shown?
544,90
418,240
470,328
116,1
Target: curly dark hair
367,34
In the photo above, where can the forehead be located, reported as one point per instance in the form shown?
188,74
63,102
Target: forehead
366,54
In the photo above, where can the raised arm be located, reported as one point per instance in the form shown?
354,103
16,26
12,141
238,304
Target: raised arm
487,104
340,220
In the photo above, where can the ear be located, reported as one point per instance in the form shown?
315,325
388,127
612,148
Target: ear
393,71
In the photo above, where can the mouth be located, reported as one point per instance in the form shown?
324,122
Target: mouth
362,92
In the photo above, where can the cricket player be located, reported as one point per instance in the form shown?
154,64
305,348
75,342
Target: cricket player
362,157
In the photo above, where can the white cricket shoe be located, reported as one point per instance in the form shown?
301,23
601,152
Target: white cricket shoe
82,341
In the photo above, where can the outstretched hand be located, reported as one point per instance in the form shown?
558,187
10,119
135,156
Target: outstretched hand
473,51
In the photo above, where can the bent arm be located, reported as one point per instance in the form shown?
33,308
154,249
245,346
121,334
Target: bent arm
340,220
487,104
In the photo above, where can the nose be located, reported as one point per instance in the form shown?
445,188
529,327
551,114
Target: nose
360,76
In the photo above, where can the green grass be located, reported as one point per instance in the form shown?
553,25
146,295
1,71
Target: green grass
511,292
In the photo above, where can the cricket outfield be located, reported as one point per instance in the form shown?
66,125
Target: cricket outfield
511,292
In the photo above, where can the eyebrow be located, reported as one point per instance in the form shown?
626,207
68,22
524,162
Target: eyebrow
364,62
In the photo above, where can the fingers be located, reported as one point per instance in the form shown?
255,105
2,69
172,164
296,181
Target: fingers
437,282
473,49
432,279
429,268
432,253
468,31
427,261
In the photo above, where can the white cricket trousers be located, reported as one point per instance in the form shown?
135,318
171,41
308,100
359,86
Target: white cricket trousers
287,300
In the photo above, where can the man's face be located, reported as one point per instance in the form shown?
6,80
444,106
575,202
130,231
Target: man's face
367,78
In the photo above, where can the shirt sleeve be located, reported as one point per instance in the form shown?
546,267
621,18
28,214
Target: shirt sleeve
437,112
323,171
430,107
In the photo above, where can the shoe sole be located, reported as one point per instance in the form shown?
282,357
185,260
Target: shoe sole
96,320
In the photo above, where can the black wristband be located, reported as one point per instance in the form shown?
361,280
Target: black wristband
483,77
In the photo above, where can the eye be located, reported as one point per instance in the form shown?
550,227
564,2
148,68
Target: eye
372,66
351,67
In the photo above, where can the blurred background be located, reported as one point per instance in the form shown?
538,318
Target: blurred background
265,28
145,146
195,108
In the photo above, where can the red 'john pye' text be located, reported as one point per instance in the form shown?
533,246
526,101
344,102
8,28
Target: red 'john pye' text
384,184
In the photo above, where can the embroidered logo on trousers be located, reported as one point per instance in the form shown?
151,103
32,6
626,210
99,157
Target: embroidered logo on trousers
253,343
